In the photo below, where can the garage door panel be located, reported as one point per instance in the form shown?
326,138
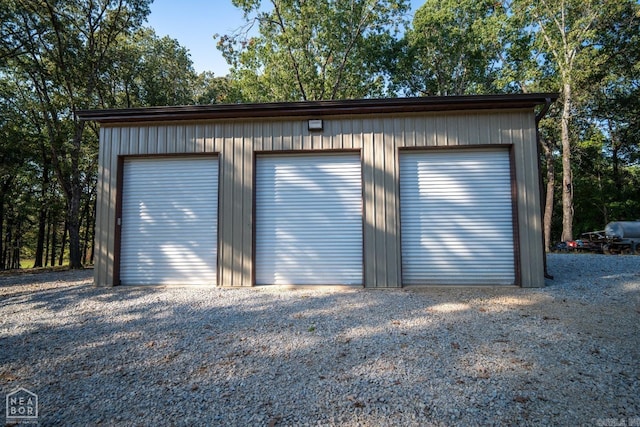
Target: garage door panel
309,219
169,221
456,217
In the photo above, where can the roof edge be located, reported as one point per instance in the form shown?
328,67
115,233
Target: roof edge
317,108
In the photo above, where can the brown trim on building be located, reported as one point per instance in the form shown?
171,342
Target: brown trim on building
313,109
362,216
117,239
258,153
398,183
453,147
253,220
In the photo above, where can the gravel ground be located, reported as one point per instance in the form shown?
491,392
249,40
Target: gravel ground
568,354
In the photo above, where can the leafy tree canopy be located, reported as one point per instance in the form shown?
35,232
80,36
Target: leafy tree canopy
453,48
313,49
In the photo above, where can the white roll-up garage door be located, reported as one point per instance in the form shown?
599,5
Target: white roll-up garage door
456,213
169,221
309,219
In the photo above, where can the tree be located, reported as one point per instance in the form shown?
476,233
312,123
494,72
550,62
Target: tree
615,87
313,49
210,89
613,106
167,76
148,71
61,48
14,158
547,134
565,35
452,48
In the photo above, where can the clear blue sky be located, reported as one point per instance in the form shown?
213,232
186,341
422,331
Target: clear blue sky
194,22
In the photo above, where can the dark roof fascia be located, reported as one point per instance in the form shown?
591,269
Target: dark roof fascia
318,108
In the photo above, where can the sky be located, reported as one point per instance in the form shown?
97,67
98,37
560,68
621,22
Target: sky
194,22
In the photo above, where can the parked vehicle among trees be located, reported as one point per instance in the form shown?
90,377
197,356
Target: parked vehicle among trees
620,237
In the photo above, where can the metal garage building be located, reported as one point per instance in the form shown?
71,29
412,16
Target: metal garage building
374,193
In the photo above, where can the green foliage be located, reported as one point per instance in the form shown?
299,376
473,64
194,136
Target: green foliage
314,49
210,89
453,48
57,51
148,71
615,87
611,107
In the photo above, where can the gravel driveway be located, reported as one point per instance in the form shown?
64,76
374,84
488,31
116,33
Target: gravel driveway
568,354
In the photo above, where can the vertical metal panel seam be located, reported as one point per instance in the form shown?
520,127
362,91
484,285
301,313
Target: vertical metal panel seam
246,244
523,197
377,141
367,183
368,214
398,135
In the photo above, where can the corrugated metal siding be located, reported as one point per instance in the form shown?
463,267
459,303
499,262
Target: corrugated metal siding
381,231
528,200
457,221
169,221
378,137
308,220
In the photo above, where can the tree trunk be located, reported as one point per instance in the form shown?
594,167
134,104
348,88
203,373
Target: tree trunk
3,222
42,228
74,200
4,258
53,242
85,238
551,182
71,184
75,256
8,247
1,231
63,243
567,179
2,266
42,216
93,231
615,160
88,220
605,212
15,258
46,243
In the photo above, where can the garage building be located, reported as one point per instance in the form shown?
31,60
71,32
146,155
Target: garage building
374,193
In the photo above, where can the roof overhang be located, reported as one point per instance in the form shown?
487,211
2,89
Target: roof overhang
318,108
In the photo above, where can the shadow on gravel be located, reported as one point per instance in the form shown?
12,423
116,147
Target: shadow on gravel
566,354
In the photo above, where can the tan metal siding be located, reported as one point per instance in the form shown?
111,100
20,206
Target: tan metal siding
529,203
381,231
235,267
380,172
378,137
106,212
101,239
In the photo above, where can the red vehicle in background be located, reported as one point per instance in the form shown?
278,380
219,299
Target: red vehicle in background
622,237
